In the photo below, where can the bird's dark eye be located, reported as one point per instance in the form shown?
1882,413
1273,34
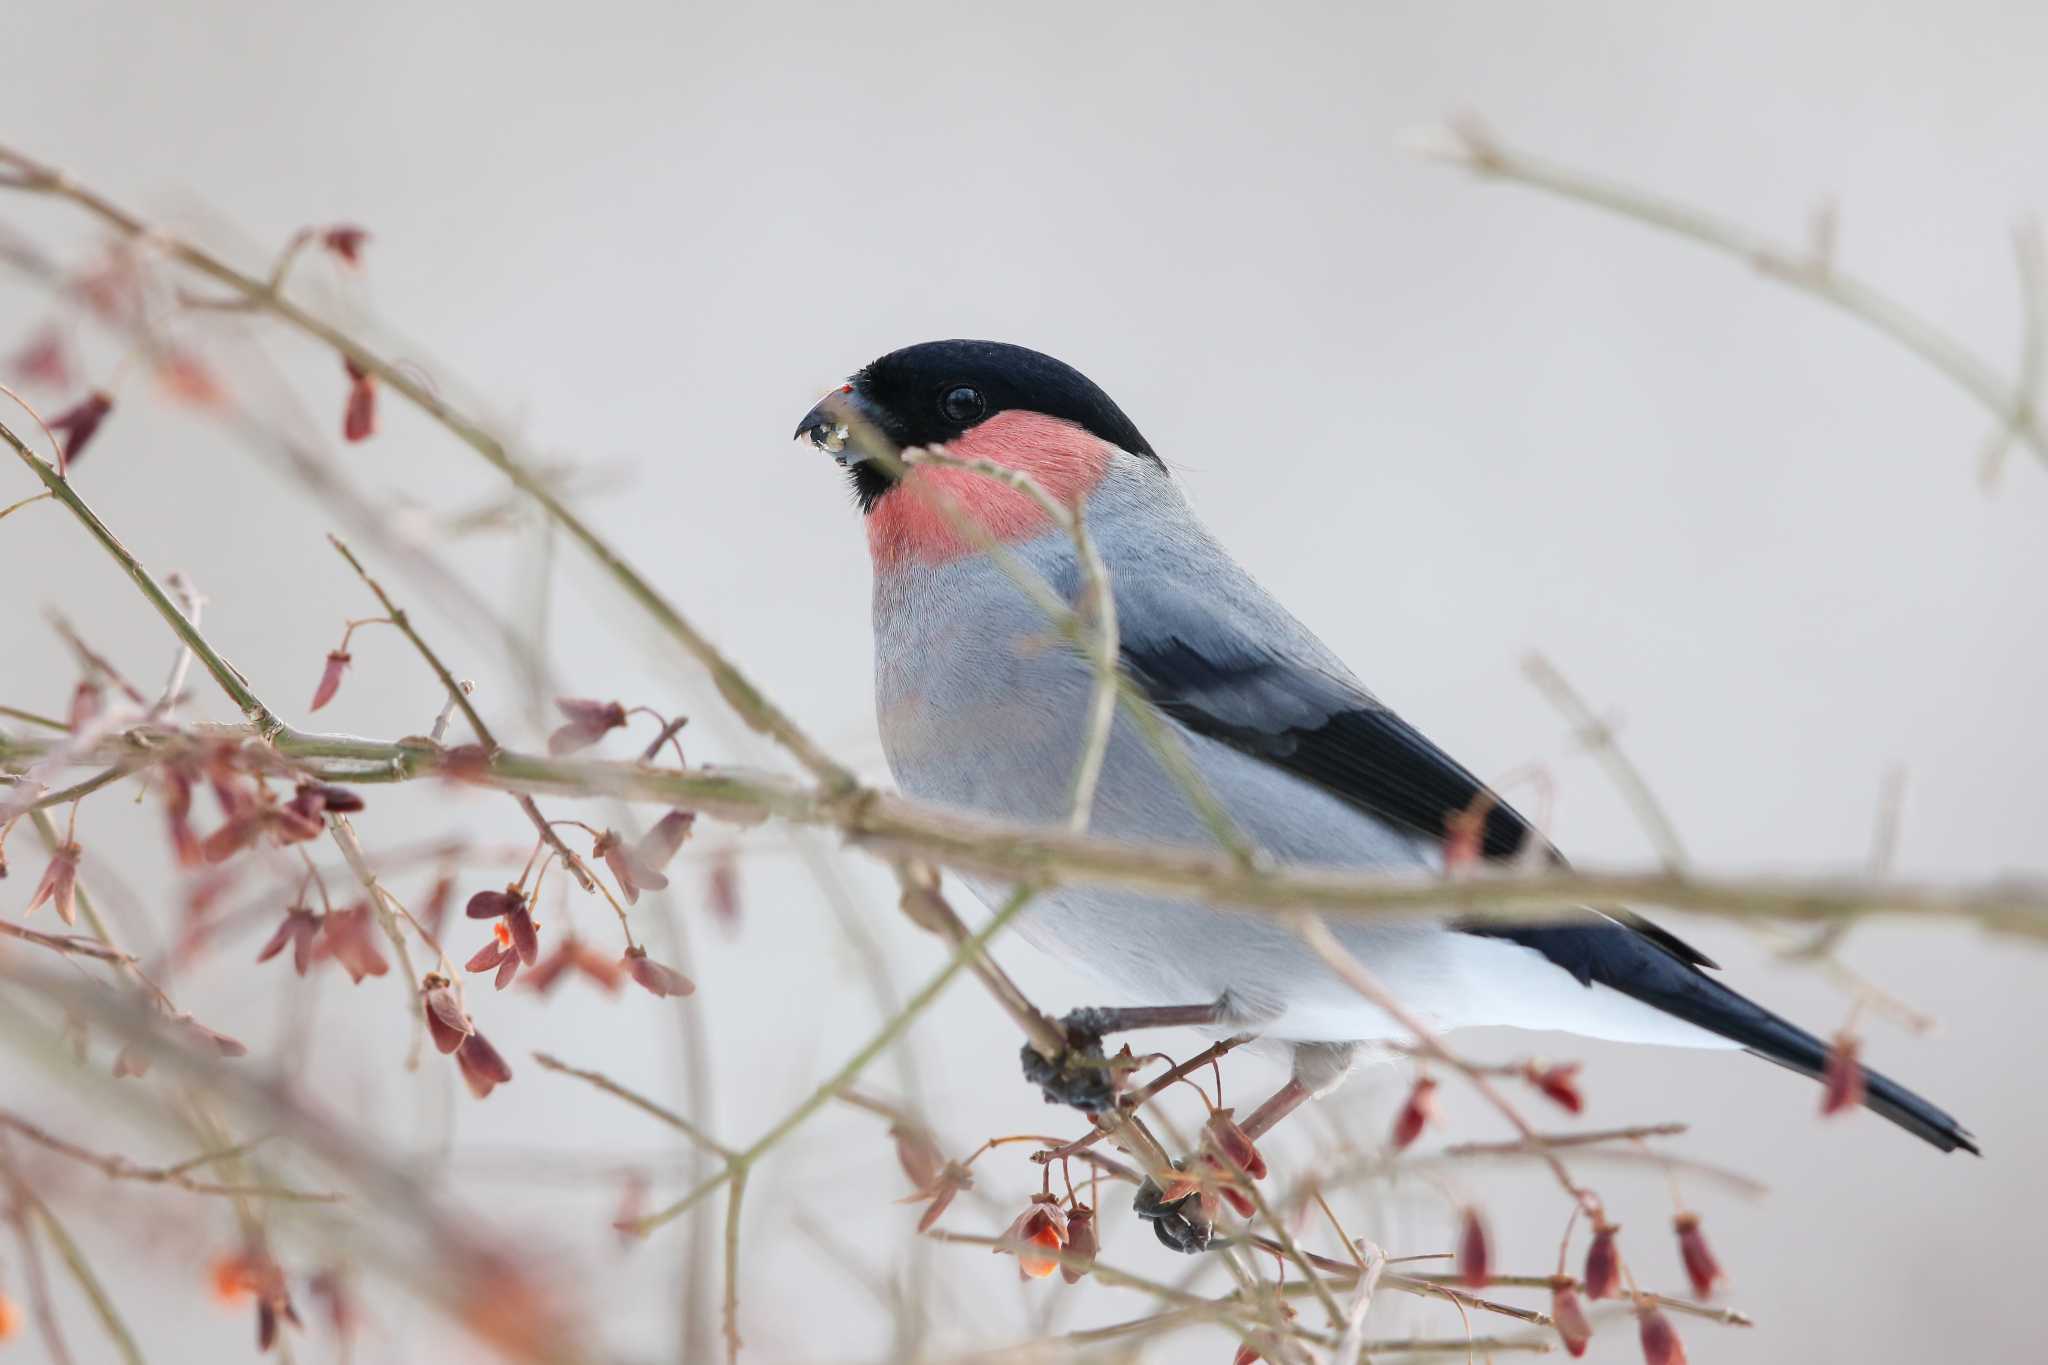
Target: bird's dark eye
963,404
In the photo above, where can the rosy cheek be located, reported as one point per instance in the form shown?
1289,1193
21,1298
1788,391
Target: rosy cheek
912,526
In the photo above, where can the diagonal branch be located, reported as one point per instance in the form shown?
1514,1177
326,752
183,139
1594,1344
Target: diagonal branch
1468,143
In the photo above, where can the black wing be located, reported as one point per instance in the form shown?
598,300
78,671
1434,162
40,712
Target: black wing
1327,731
1310,720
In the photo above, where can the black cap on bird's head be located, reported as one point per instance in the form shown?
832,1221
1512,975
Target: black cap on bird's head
932,393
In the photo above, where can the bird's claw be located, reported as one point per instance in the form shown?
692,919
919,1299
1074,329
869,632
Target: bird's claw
1181,1225
1079,1075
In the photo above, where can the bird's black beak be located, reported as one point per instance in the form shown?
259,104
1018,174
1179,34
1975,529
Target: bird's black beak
844,425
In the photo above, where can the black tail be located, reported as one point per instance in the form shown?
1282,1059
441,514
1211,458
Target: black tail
1642,968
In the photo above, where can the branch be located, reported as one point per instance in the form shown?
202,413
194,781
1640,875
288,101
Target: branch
897,827
121,1168
458,696
739,692
1469,144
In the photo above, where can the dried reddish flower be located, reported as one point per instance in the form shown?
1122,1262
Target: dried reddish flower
658,846
346,241
1219,1182
934,1179
87,701
1475,1254
1559,1084
1415,1114
301,929
1235,1144
1661,1345
488,956
722,890
347,938
80,422
499,954
481,1065
1253,1350
588,722
1842,1082
632,1208
495,904
288,824
1701,1267
178,814
185,377
44,360
315,799
330,678
525,933
1043,1225
332,1288
434,913
130,1061
632,875
200,1033
1082,1244
1603,1262
574,955
917,1152
59,885
445,1018
654,977
359,414
1568,1315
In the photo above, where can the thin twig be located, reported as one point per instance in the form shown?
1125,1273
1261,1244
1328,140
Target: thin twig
459,695
1467,143
739,692
638,1101
116,1167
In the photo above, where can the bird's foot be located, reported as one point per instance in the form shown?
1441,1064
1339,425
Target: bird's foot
1080,1075
1183,1225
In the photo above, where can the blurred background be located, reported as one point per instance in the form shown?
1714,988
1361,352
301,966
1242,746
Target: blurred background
1447,421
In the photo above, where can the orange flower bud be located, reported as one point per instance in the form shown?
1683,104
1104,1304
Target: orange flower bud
1042,1225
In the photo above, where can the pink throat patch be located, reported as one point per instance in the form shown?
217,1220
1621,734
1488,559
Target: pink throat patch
909,525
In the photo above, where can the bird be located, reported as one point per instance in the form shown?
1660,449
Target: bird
981,706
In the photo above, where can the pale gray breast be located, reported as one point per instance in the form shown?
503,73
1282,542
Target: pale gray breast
980,706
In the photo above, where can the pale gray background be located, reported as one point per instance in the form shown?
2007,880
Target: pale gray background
1445,421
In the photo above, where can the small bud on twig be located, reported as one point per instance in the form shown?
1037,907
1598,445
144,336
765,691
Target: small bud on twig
1475,1253
588,722
1415,1113
1568,1315
1603,1262
1661,1345
1701,1267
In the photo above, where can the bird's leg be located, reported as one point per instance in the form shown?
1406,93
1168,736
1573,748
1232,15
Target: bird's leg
1184,1224
1080,1075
